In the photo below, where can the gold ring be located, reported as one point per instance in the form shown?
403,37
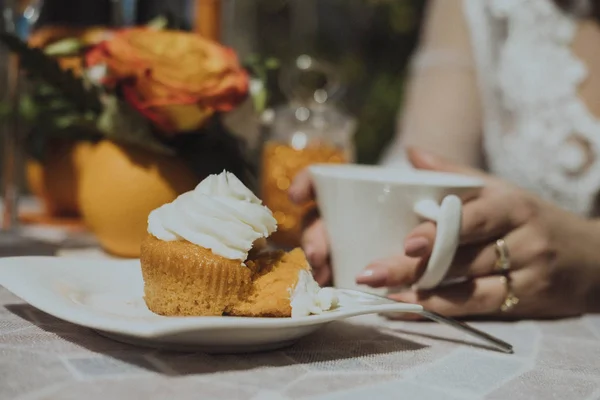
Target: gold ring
510,301
502,264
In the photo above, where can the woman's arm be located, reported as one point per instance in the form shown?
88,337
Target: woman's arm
442,110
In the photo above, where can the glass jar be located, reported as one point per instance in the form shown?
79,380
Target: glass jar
309,129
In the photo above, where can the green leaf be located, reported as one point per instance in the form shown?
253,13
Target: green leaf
45,90
259,99
59,104
121,123
272,63
28,108
159,23
65,47
65,121
46,68
252,59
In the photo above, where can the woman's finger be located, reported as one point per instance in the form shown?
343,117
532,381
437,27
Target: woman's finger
419,242
476,260
315,243
392,272
524,247
481,296
487,218
323,275
483,220
301,190
316,247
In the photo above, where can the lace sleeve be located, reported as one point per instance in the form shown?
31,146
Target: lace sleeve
442,111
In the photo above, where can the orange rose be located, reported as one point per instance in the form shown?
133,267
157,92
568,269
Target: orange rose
177,79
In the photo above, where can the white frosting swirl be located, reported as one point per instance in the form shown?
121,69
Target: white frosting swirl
309,298
220,214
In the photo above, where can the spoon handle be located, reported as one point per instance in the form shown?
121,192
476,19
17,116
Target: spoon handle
386,305
486,337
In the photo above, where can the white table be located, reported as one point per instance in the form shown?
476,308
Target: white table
366,358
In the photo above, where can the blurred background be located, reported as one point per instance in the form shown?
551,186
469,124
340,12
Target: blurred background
326,85
368,41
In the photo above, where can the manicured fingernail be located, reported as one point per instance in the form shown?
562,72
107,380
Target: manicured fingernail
416,246
373,276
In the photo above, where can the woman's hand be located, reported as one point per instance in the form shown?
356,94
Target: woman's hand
554,255
314,236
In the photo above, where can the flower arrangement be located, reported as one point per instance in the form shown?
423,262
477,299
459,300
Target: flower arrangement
159,89
122,121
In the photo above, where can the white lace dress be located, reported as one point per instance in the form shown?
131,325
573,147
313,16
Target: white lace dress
532,127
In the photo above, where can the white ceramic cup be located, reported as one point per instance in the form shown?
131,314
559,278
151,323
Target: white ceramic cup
369,210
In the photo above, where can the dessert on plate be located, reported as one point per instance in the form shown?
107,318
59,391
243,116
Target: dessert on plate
205,255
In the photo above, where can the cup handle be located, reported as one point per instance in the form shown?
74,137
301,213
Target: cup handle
448,217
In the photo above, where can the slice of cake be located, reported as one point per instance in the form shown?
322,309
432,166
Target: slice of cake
195,260
283,286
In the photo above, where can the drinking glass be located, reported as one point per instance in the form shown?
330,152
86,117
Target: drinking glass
18,18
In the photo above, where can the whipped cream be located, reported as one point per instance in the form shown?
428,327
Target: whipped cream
220,214
309,298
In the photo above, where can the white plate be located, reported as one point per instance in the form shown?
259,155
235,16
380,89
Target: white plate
106,295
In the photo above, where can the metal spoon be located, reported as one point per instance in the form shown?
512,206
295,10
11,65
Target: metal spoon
367,299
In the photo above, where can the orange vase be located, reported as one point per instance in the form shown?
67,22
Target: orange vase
55,180
119,187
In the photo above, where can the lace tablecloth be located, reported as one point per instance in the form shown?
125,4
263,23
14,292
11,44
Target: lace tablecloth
42,357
